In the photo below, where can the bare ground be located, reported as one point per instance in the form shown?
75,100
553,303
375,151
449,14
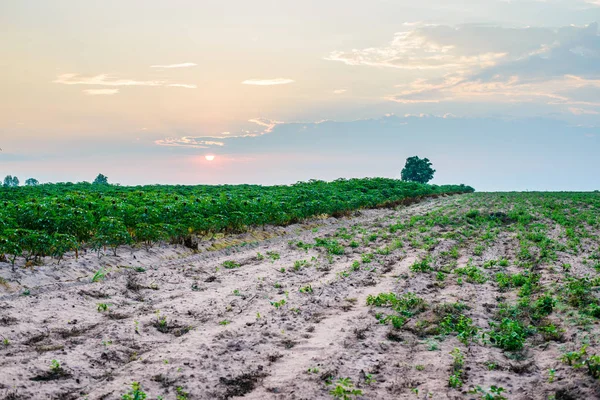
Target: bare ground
176,319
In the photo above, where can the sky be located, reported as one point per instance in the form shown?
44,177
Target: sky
498,94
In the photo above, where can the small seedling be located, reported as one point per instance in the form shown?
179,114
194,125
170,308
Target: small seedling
345,390
494,393
551,375
432,345
102,307
369,379
231,264
100,275
181,394
306,289
299,264
455,380
491,365
161,322
56,369
135,393
278,304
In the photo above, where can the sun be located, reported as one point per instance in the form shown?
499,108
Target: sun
209,157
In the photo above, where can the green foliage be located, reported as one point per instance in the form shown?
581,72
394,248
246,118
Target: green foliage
31,182
306,289
456,374
101,180
56,368
494,393
11,181
112,232
299,264
473,274
181,393
367,258
278,304
461,325
578,359
344,389
417,170
229,264
100,275
509,334
51,219
331,245
404,306
573,357
135,393
421,266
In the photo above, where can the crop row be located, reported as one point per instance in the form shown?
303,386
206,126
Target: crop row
50,220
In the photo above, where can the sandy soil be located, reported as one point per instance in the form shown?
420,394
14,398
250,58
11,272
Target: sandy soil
181,322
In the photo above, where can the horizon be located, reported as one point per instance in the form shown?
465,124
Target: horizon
499,95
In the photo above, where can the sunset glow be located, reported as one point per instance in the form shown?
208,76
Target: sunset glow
247,80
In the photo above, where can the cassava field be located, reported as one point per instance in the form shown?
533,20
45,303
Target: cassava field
463,296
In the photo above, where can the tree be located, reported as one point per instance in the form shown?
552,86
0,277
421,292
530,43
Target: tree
32,182
101,180
417,170
11,181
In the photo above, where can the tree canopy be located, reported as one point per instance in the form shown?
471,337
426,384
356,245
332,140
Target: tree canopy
101,180
417,170
32,182
11,181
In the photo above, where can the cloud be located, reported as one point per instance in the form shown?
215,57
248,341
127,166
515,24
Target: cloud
189,141
268,124
489,50
392,136
430,47
570,50
106,80
182,65
104,92
556,91
339,91
205,142
489,63
102,80
182,85
268,82
581,111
